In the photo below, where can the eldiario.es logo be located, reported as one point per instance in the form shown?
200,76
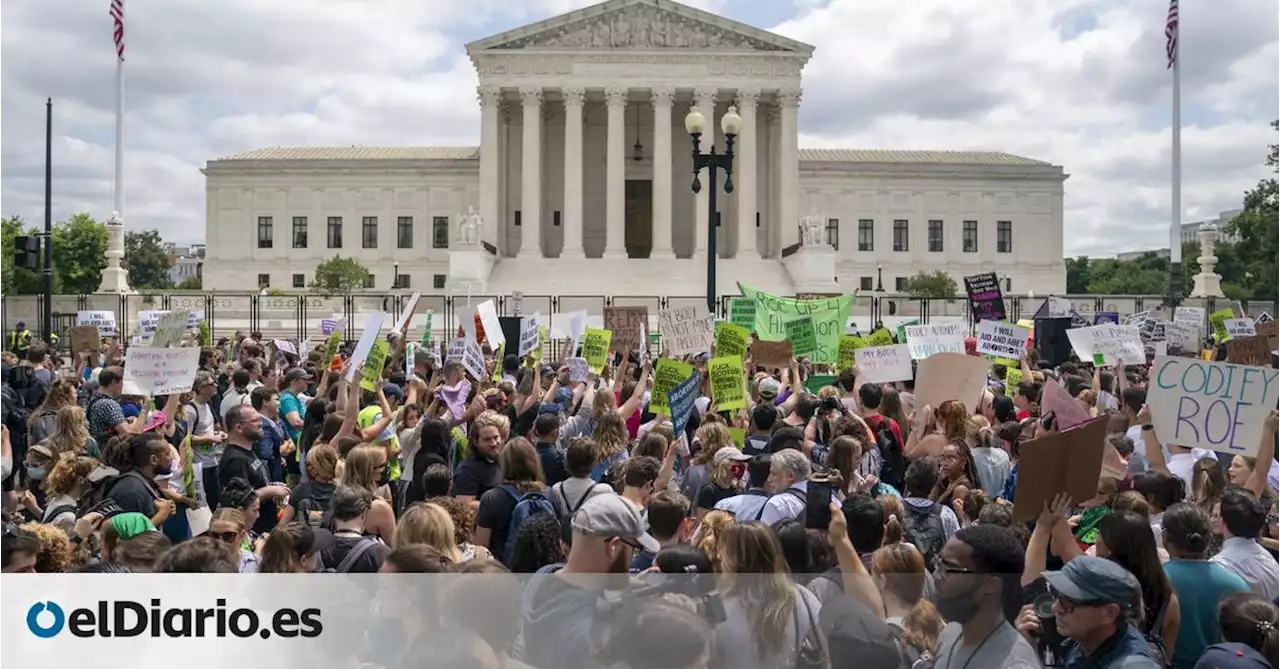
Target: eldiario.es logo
123,618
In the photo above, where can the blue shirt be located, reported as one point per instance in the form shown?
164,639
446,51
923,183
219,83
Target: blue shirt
290,403
271,440
1200,586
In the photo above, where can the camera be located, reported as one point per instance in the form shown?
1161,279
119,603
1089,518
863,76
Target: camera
829,404
699,587
1049,643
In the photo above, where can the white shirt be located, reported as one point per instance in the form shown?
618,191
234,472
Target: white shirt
1253,563
786,505
1181,464
232,399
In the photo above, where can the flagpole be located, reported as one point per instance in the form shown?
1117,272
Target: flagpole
117,195
1173,290
115,277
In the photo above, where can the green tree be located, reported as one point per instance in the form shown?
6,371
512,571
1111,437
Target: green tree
339,275
146,260
1258,226
79,254
1077,275
191,283
937,284
16,280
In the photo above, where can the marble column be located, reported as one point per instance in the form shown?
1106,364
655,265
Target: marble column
745,174
490,163
531,173
615,175
572,173
789,162
662,167
705,99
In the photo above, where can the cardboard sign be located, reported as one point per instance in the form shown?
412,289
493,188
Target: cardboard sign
169,328
578,369
1270,330
105,321
369,335
950,376
1002,339
595,348
926,340
488,314
162,371
1067,412
85,338
985,299
1189,315
830,315
530,335
742,312
847,354
1215,405
800,333
686,330
667,374
728,390
1065,462
1239,327
731,340
885,364
373,365
625,323
1113,342
771,353
681,400
407,313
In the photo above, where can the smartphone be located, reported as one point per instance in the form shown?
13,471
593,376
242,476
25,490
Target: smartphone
1047,421
817,513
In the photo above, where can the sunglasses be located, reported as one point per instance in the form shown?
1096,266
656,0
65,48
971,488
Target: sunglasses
225,537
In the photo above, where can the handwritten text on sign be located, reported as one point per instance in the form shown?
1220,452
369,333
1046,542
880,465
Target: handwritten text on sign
686,330
162,371
625,323
830,316
885,364
1214,405
925,340
1002,339
1113,342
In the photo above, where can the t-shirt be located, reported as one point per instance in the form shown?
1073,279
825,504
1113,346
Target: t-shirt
134,492
343,543
231,399
365,419
495,513
553,469
236,462
1199,586
711,494
475,476
290,403
104,415
570,494
1004,649
201,424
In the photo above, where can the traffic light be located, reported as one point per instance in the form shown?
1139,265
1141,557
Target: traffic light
26,252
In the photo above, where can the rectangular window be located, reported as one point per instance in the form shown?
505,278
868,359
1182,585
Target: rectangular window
517,217
900,235
404,232
1008,285
299,281
900,284
970,236
369,232
833,233
264,280
866,235
299,232
440,232
335,232
438,281
717,219
402,281
1004,237
865,283
368,280
264,232
555,218
935,236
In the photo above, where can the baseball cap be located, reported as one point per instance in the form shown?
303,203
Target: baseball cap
297,374
729,453
1094,580
314,540
609,515
1232,656
768,388
392,390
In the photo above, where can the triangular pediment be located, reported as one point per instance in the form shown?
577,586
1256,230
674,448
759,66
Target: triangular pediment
640,25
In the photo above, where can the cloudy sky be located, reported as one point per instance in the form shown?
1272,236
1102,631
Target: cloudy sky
1081,83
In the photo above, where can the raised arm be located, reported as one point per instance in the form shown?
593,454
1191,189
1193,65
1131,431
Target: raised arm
1257,483
1038,546
1151,443
636,400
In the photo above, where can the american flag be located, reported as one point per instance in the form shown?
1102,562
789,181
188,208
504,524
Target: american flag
1171,33
117,22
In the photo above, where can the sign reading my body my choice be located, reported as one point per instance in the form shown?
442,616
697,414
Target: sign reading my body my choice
1215,405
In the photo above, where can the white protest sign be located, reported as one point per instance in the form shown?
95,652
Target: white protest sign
162,371
1183,335
492,326
105,320
170,328
517,303
193,319
578,368
686,330
473,359
530,335
368,336
884,364
1058,307
409,349
1136,318
1114,342
1239,327
467,319
1189,315
285,346
148,320
1263,317
408,312
1216,405
1002,340
457,351
925,340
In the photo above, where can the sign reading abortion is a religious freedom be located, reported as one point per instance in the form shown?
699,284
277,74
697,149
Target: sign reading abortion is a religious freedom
1215,405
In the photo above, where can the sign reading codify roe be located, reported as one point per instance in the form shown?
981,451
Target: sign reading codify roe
1214,405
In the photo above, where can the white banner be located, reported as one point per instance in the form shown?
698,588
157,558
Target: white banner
925,340
884,364
492,326
1114,342
1002,340
105,320
162,371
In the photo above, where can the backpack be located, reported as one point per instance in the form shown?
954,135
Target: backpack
913,657
923,529
528,505
195,410
28,391
363,546
893,458
313,510
796,493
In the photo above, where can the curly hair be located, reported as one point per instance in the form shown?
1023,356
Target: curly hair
460,513
709,534
68,473
537,544
56,552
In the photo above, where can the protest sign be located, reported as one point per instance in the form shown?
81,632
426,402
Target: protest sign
285,346
577,326
1269,329
771,353
1067,412
667,374
407,313
372,325
517,303
105,321
595,348
409,350
1218,323
801,334
331,346
1002,339
731,339
816,382
1264,317
85,338
456,351
686,330
950,376
739,436
1152,329
535,356
830,315
847,354
902,329
193,319
371,371
147,322
742,312
1182,336
884,364
985,299
1189,315
1136,318
1160,347
625,324
162,371
728,390
473,359
530,335
1215,405
488,314
426,330
925,340
1103,317
496,376
1057,307
1064,462
327,326
170,328
879,337
681,400
1012,377
578,369
1113,342
1239,327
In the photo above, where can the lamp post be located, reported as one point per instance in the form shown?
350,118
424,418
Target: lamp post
730,124
875,318
395,276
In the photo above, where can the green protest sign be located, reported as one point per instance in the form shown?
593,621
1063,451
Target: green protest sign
331,347
426,331
667,374
1218,323
742,312
727,388
818,381
373,364
829,316
800,332
732,339
595,348
881,337
848,352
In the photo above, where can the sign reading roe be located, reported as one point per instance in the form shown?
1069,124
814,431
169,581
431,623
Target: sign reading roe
1215,405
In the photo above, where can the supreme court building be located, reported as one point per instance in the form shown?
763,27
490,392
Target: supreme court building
581,182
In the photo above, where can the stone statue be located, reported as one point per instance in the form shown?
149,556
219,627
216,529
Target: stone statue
601,37
811,231
469,228
640,30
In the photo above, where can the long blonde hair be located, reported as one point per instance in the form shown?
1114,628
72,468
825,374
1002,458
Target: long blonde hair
610,434
709,534
361,464
757,573
61,394
70,431
711,437
430,525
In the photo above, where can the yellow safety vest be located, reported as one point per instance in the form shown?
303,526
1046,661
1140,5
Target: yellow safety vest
17,339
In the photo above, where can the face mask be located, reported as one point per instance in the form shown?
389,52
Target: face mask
36,473
958,608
